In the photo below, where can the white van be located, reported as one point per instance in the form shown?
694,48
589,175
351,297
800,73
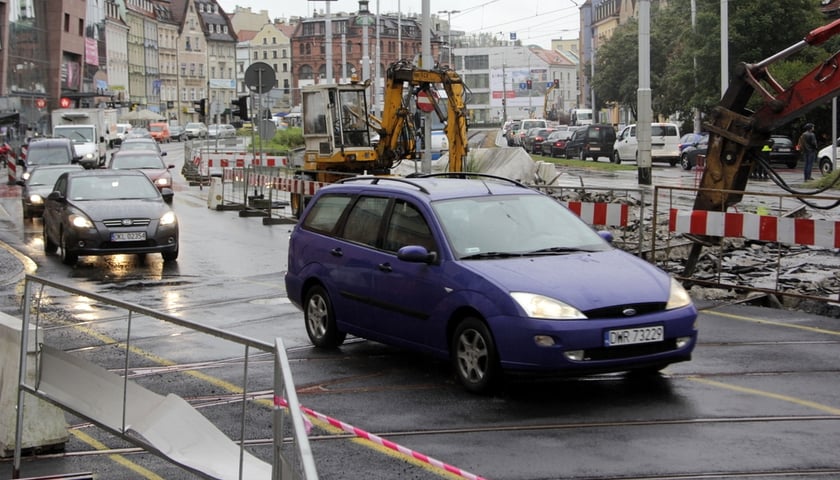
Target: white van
664,144
527,124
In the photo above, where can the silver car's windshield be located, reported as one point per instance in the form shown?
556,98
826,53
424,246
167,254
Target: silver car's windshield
514,225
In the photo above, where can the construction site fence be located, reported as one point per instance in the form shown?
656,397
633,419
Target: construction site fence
787,231
646,222
71,373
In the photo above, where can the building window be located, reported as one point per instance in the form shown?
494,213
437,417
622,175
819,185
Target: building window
265,55
274,53
256,56
81,27
274,40
265,41
67,22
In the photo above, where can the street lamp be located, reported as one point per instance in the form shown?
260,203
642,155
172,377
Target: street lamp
449,31
364,20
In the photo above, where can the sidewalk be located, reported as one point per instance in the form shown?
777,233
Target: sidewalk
11,262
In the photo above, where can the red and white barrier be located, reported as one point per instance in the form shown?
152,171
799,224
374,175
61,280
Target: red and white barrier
609,214
281,402
796,231
11,167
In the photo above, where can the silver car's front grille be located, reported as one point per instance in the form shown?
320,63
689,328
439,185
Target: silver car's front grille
126,222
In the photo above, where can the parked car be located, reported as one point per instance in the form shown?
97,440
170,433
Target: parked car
824,158
221,130
783,150
475,274
47,151
177,133
146,161
160,131
591,141
664,138
691,139
103,212
195,130
533,141
38,185
555,144
688,157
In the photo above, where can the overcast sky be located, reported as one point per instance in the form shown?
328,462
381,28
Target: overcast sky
533,21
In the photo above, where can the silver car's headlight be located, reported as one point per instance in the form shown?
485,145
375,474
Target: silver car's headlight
36,199
540,306
168,218
26,176
162,181
88,156
80,221
678,297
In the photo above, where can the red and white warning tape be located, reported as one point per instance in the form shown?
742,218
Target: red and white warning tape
279,401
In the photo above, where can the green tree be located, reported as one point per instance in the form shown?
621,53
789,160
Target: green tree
685,60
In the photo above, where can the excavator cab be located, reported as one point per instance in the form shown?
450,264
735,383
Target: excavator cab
336,130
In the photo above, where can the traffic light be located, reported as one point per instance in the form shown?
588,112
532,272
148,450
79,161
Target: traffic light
528,83
240,108
201,106
556,82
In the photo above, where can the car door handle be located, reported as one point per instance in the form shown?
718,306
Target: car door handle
385,267
336,252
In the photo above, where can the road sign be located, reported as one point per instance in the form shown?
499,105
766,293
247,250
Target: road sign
40,103
259,77
425,102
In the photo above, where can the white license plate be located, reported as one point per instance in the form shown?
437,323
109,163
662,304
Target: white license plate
784,149
630,336
128,236
594,149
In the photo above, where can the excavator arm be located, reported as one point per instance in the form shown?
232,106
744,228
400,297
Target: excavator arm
396,129
736,134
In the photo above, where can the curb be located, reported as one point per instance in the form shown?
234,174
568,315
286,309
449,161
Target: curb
13,265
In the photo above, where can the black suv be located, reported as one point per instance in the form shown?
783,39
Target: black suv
593,141
48,151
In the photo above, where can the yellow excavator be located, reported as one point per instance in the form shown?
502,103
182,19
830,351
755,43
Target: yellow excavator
340,133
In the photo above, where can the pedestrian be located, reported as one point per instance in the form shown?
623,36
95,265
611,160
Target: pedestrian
808,147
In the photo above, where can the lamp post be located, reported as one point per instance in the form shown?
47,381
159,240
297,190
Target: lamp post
449,31
364,20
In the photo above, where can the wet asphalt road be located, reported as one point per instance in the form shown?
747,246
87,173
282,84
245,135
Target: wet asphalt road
759,399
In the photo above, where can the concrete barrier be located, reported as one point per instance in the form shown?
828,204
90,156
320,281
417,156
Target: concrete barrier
44,426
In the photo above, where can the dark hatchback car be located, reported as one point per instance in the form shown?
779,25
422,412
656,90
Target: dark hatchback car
105,212
533,141
555,144
689,154
48,151
469,270
782,150
592,141
38,185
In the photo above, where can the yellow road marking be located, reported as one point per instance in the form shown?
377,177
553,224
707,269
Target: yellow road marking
763,393
230,387
771,322
84,437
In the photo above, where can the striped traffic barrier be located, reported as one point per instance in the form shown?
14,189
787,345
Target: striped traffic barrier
767,228
11,167
358,432
608,214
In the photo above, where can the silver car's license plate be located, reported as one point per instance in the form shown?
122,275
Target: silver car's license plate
630,336
128,236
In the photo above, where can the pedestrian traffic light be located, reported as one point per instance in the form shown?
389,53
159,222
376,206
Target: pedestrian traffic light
240,108
528,83
201,106
556,82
